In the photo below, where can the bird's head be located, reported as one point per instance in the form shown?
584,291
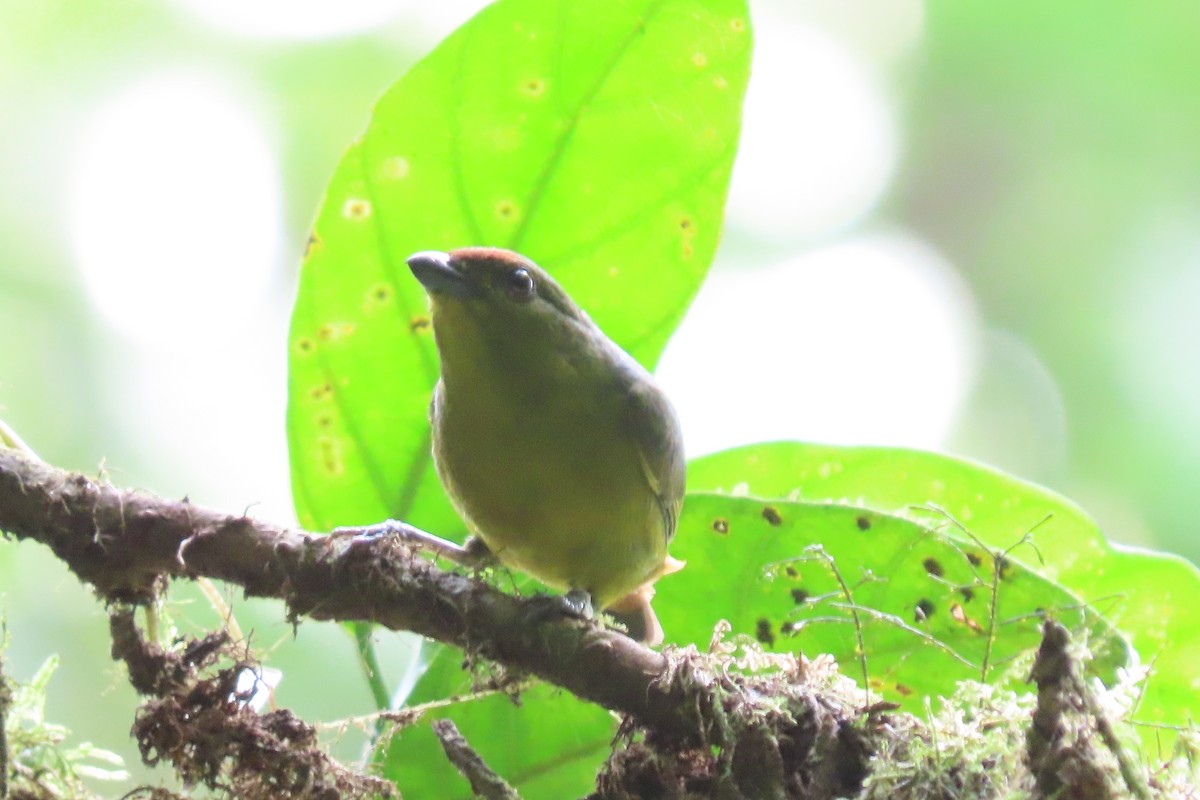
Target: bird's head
499,301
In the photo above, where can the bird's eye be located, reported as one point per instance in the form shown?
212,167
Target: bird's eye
520,285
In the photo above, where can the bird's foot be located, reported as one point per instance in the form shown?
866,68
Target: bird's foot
473,554
575,604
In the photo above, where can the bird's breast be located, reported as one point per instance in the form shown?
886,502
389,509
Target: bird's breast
550,480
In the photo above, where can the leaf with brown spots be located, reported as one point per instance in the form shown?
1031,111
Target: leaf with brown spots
905,587
1154,598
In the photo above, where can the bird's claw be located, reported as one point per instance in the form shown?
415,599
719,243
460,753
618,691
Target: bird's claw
575,604
473,555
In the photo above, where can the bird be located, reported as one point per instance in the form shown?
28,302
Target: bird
559,450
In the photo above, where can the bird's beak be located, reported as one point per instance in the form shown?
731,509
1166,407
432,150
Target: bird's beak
437,274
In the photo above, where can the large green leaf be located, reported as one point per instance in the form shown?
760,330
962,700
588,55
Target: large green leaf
1154,598
912,607
595,136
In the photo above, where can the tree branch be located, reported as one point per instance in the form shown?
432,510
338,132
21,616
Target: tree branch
710,728
125,542
485,783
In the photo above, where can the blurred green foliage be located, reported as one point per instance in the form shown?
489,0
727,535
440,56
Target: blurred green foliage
38,762
1051,156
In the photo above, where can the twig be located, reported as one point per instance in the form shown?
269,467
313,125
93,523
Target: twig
485,783
1061,766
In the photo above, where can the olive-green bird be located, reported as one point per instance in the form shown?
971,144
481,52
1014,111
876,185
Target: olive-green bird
558,449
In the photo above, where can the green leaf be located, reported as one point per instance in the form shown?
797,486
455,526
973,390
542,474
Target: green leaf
1154,598
595,137
550,745
828,578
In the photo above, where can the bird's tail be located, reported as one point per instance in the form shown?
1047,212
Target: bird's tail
637,615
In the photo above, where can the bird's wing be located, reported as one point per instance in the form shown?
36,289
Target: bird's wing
652,420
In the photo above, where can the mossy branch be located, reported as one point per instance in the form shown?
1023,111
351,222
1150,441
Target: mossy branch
127,543
708,728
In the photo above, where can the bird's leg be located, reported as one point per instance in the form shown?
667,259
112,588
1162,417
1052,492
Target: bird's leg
576,604
473,554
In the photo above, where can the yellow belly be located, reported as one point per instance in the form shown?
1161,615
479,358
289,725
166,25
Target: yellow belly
572,509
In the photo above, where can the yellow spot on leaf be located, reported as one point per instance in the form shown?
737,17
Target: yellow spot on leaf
419,324
331,455
507,210
700,60
332,331
720,82
395,168
356,209
738,25
534,87
305,346
378,295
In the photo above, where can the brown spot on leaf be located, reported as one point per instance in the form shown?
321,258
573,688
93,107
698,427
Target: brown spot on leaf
799,596
356,208
924,609
534,87
331,455
933,567
506,210
419,324
903,689
791,572
975,559
968,594
721,525
771,515
863,523
380,293
763,632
